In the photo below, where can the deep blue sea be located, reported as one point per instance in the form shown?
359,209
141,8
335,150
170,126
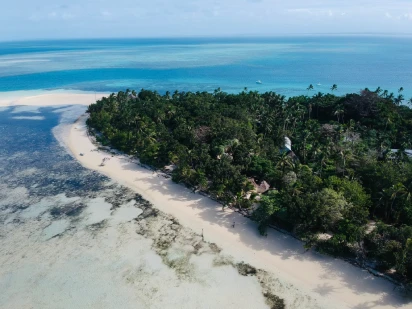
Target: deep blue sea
285,64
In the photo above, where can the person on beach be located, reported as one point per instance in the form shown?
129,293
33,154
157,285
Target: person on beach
233,225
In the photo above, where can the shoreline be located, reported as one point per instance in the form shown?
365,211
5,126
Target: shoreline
303,270
45,98
323,277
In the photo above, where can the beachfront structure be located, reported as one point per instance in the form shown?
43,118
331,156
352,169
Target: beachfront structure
259,188
408,152
287,146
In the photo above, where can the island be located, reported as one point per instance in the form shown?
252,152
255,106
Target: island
332,170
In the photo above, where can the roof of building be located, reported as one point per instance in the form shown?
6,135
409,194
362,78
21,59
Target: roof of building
407,151
259,188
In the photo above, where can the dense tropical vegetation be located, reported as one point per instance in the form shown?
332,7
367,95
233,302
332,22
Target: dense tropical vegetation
342,188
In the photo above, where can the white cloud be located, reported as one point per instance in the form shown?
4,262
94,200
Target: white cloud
105,13
62,14
408,16
313,12
67,16
45,18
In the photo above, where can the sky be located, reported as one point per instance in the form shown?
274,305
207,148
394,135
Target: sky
47,19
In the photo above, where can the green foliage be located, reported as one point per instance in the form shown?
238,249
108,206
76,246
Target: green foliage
359,202
340,174
268,206
392,247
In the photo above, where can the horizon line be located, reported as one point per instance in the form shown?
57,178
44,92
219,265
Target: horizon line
235,36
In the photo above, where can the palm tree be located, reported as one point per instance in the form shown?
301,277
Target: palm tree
310,110
385,93
378,90
399,190
310,87
284,162
386,199
176,94
400,90
339,112
405,191
398,100
410,102
334,87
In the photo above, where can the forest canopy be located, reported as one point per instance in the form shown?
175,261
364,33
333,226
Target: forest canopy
334,170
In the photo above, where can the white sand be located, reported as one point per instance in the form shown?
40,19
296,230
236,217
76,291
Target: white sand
332,281
280,254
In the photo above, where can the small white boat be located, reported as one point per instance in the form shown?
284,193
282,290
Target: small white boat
258,82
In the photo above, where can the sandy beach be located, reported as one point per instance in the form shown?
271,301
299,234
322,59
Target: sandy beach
302,279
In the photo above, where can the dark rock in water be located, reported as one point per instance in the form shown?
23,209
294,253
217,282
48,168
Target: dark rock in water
274,301
75,211
119,197
245,269
71,210
98,226
214,247
148,212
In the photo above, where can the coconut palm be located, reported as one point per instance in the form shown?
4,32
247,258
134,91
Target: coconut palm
405,190
398,100
339,112
285,162
167,95
334,87
310,87
398,190
378,90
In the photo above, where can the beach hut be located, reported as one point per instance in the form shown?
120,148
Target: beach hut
287,146
408,152
259,188
169,168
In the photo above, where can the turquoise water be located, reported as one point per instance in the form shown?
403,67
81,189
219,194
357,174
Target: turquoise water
285,65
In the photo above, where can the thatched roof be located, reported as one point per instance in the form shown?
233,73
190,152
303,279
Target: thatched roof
169,168
259,188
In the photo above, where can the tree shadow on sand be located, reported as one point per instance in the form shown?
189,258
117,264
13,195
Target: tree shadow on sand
324,289
279,245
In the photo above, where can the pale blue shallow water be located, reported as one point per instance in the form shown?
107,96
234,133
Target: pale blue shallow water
285,65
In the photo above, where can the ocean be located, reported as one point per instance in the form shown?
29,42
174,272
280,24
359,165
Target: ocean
73,237
286,65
